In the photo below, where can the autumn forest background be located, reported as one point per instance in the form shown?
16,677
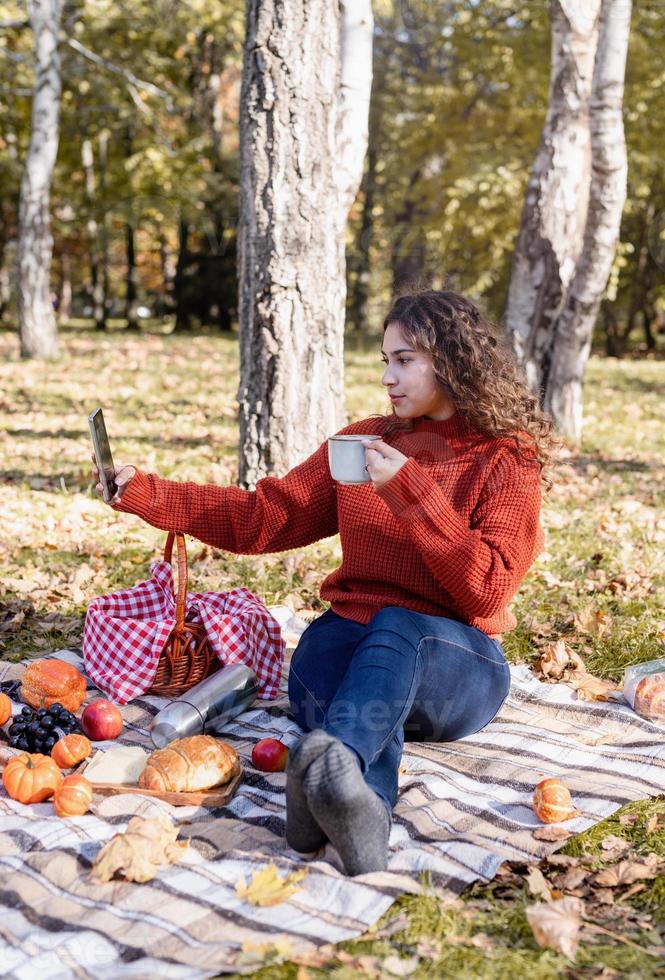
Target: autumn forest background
145,191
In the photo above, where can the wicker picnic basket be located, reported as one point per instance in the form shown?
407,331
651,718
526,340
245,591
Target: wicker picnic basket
187,657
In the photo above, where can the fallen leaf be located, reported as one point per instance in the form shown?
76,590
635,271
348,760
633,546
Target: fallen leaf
572,879
562,860
625,873
604,895
628,819
551,833
593,621
590,688
554,659
538,884
138,854
266,887
651,824
556,925
617,845
399,967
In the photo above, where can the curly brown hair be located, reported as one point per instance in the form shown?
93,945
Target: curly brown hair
477,371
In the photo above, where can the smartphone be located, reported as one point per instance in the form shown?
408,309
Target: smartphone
100,442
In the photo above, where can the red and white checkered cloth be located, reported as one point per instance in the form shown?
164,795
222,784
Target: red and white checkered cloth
125,633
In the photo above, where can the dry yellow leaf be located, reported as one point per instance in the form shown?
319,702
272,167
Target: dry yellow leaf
539,886
628,872
590,688
593,621
138,854
557,924
266,887
551,833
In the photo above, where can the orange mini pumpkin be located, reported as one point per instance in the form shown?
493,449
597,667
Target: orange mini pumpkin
70,750
5,708
31,777
46,681
552,801
73,796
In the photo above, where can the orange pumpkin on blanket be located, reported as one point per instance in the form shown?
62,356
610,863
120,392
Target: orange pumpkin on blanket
552,801
5,708
70,750
31,777
73,796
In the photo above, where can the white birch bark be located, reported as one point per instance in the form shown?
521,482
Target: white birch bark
554,213
295,193
37,321
574,325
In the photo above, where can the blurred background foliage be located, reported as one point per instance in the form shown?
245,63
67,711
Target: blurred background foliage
458,102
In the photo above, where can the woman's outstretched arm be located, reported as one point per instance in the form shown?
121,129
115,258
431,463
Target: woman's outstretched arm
280,514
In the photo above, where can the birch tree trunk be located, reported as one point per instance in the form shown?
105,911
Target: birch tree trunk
37,323
574,324
554,213
303,128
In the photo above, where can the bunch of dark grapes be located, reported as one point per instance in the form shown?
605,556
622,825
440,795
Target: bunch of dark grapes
38,731
12,689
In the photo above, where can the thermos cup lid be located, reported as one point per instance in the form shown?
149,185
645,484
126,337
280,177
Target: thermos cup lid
176,720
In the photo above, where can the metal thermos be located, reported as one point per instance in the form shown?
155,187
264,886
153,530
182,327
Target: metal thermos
206,707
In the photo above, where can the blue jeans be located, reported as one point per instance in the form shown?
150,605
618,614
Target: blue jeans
403,675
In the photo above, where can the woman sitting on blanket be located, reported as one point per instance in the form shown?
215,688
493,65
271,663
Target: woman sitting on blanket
433,550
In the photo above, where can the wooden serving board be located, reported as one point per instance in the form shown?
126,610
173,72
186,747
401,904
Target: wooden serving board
217,796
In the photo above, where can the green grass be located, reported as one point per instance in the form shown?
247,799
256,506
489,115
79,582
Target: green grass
170,407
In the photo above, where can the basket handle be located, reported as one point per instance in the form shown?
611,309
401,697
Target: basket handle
181,594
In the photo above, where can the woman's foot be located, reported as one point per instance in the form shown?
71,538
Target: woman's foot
303,833
355,820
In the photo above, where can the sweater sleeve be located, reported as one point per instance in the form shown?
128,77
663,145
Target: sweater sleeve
280,514
480,562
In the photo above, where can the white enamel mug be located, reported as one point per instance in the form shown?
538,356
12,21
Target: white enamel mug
346,458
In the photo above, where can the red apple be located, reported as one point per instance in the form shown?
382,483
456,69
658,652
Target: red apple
270,755
101,720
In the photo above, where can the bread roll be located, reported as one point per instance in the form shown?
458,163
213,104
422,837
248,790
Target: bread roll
650,697
191,764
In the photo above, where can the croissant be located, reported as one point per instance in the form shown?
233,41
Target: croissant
191,764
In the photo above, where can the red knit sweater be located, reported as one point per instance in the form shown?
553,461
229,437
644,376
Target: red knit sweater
451,534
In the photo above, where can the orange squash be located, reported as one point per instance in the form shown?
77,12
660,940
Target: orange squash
31,777
70,750
73,796
552,801
46,681
5,708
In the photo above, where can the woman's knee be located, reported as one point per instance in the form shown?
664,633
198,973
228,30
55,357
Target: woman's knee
390,617
306,709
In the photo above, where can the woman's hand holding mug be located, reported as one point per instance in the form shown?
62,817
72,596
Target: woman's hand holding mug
121,474
382,461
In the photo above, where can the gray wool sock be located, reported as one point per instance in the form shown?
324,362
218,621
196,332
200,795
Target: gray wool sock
355,820
303,833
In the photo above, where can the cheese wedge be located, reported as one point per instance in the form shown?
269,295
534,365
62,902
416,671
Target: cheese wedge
123,765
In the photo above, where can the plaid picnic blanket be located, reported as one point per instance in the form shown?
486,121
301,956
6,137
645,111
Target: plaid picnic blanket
464,808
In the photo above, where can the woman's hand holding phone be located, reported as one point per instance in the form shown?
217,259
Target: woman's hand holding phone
122,476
